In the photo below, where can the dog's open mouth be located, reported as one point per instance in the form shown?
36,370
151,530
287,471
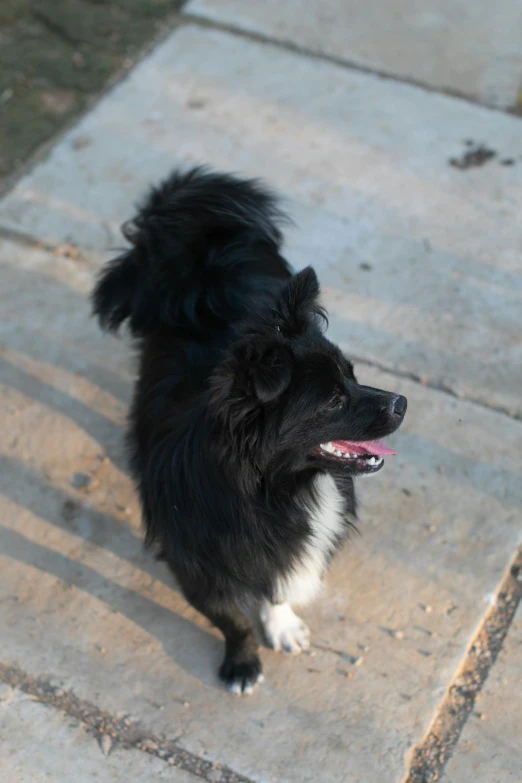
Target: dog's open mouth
361,456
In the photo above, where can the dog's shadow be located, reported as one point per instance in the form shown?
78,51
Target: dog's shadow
190,646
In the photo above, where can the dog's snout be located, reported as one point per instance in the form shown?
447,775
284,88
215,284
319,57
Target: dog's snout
382,411
398,406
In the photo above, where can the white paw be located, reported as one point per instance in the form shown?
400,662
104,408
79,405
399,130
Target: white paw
241,676
284,631
244,687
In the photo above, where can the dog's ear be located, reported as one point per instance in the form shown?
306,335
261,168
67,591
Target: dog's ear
115,293
272,372
302,291
298,304
254,371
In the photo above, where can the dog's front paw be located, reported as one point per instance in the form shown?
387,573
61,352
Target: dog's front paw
284,631
241,676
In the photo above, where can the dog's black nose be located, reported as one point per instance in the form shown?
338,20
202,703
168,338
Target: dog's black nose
399,406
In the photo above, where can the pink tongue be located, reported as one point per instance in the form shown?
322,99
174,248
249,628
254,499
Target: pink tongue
375,447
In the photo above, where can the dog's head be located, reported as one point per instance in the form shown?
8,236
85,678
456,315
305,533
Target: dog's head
285,399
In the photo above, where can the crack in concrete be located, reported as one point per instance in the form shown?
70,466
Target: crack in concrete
202,21
429,757
436,386
108,729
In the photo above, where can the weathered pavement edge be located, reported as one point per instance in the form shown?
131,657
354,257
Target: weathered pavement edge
430,756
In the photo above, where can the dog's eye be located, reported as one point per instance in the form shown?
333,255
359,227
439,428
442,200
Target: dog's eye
336,402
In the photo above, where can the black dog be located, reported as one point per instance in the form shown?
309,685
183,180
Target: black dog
247,425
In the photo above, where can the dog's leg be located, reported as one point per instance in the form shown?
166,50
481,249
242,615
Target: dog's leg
282,629
241,669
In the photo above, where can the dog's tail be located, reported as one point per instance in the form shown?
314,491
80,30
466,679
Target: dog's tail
203,244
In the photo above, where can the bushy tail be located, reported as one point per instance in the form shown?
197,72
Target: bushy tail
202,245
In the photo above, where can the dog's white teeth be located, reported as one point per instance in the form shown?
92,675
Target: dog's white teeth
328,447
338,453
372,461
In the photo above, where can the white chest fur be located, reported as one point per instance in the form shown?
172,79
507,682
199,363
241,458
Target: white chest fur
326,520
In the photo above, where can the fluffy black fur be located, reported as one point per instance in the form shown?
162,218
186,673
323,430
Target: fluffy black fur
237,387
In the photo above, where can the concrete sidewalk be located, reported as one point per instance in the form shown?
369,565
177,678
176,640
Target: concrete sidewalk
418,251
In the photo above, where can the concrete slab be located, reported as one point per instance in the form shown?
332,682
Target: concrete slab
450,45
83,605
490,747
423,258
61,750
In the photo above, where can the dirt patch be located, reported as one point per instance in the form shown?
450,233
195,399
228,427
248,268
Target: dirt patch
56,101
56,55
477,155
